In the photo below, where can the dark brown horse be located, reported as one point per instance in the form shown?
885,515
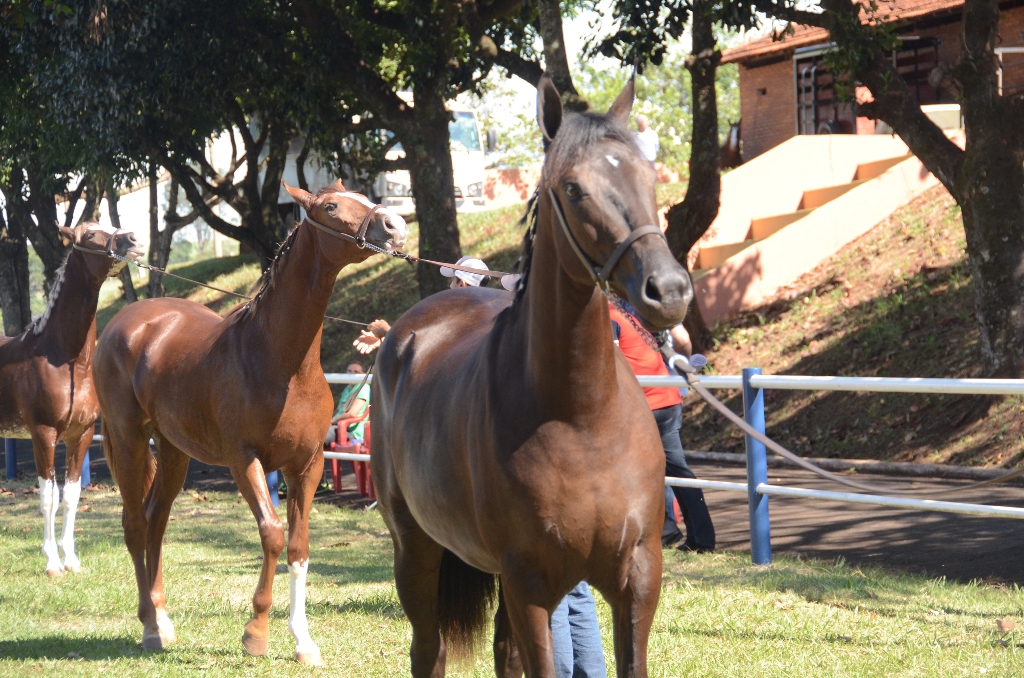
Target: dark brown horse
246,391
511,437
46,390
729,154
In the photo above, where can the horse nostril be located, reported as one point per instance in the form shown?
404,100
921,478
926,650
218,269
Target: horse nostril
667,289
652,290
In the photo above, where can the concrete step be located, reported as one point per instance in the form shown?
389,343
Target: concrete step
870,170
819,196
766,226
710,257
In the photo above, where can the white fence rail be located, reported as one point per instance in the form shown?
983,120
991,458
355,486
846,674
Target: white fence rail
752,382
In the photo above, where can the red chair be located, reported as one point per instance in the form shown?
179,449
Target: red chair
344,445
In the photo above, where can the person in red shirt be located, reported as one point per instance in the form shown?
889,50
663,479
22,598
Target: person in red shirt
667,407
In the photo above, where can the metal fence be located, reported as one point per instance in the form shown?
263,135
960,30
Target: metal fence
753,383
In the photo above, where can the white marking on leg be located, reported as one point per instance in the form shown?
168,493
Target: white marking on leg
297,624
72,491
49,500
165,627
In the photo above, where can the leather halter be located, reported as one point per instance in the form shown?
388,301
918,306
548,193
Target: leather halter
601,274
359,238
109,251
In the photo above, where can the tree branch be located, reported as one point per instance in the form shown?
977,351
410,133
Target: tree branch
196,199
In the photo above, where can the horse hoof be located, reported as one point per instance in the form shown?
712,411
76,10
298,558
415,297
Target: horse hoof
155,642
74,569
54,573
309,658
256,647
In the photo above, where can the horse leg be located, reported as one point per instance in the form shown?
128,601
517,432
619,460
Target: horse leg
171,469
300,499
76,450
506,654
44,440
530,617
252,483
417,570
633,605
133,467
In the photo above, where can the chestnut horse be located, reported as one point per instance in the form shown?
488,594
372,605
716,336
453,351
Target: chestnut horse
246,391
46,390
511,438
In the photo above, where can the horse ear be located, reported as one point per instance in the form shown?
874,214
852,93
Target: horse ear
624,102
549,108
338,186
304,198
67,235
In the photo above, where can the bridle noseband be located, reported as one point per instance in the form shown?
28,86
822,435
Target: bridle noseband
360,237
600,274
109,251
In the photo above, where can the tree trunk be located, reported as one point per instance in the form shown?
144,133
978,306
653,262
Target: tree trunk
556,61
113,198
689,220
159,251
986,179
992,203
15,302
42,232
433,187
160,242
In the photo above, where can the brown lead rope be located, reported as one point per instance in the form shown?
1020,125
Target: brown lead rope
693,379
202,284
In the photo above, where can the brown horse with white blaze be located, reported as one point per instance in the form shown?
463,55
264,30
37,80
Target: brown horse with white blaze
511,438
246,391
46,389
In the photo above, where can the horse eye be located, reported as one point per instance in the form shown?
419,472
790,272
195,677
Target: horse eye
572,191
331,207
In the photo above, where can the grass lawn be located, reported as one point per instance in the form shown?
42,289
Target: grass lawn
719,616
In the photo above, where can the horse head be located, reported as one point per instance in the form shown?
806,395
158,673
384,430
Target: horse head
351,217
92,238
602,193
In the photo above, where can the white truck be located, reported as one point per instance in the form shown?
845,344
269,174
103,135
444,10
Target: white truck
394,188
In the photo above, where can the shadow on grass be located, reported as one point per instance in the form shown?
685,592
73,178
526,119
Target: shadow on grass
380,605
89,647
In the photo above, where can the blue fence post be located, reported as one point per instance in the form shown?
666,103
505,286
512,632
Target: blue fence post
273,483
11,457
86,470
757,472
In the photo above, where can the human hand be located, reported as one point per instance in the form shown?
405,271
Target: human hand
367,342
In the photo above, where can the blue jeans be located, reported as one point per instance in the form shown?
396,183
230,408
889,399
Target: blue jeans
576,637
700,531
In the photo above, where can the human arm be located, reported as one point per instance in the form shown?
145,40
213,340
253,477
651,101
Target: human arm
354,412
681,340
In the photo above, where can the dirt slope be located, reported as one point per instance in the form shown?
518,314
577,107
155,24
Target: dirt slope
896,302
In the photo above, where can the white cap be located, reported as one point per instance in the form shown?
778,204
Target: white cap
469,278
510,281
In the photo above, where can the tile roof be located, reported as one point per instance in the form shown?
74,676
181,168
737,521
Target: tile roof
803,36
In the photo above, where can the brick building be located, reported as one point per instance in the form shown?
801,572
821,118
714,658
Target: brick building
785,89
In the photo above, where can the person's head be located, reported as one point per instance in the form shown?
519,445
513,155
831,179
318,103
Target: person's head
465,278
355,367
641,122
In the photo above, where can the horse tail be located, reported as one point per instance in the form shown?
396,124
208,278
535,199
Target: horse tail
464,598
